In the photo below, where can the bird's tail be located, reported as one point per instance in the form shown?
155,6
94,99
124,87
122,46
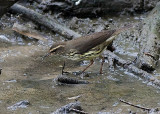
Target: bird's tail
117,32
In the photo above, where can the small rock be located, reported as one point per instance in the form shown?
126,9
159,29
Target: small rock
21,104
110,20
66,109
9,81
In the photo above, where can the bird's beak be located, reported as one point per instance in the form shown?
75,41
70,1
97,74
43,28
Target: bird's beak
48,54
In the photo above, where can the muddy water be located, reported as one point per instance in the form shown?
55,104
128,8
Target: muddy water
25,76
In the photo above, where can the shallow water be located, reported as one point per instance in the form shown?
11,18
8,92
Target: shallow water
25,76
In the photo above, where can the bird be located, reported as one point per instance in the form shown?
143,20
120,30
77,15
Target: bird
86,47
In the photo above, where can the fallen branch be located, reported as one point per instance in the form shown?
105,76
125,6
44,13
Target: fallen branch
45,21
131,68
140,107
27,32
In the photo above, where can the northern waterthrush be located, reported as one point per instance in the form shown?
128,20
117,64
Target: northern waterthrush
86,47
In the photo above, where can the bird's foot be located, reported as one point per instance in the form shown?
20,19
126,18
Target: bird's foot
65,72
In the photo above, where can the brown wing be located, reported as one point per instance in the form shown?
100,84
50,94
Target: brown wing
84,44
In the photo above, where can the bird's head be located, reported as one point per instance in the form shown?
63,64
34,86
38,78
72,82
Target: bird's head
57,48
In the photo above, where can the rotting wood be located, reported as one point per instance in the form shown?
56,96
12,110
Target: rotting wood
45,21
21,29
131,68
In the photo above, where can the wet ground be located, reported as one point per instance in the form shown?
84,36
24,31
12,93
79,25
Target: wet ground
25,76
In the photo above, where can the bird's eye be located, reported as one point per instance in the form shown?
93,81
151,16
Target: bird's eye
53,50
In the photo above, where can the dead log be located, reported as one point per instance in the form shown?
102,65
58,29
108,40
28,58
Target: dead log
150,37
131,68
45,21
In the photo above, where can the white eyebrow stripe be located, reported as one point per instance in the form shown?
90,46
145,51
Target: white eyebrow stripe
56,48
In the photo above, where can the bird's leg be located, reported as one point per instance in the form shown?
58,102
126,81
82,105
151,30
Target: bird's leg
103,60
63,68
91,62
110,47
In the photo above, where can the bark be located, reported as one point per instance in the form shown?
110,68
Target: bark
45,21
150,35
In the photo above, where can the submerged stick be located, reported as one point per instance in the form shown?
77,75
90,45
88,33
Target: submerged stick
78,111
140,107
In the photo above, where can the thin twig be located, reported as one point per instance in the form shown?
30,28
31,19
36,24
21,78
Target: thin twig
0,71
63,68
143,108
78,111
